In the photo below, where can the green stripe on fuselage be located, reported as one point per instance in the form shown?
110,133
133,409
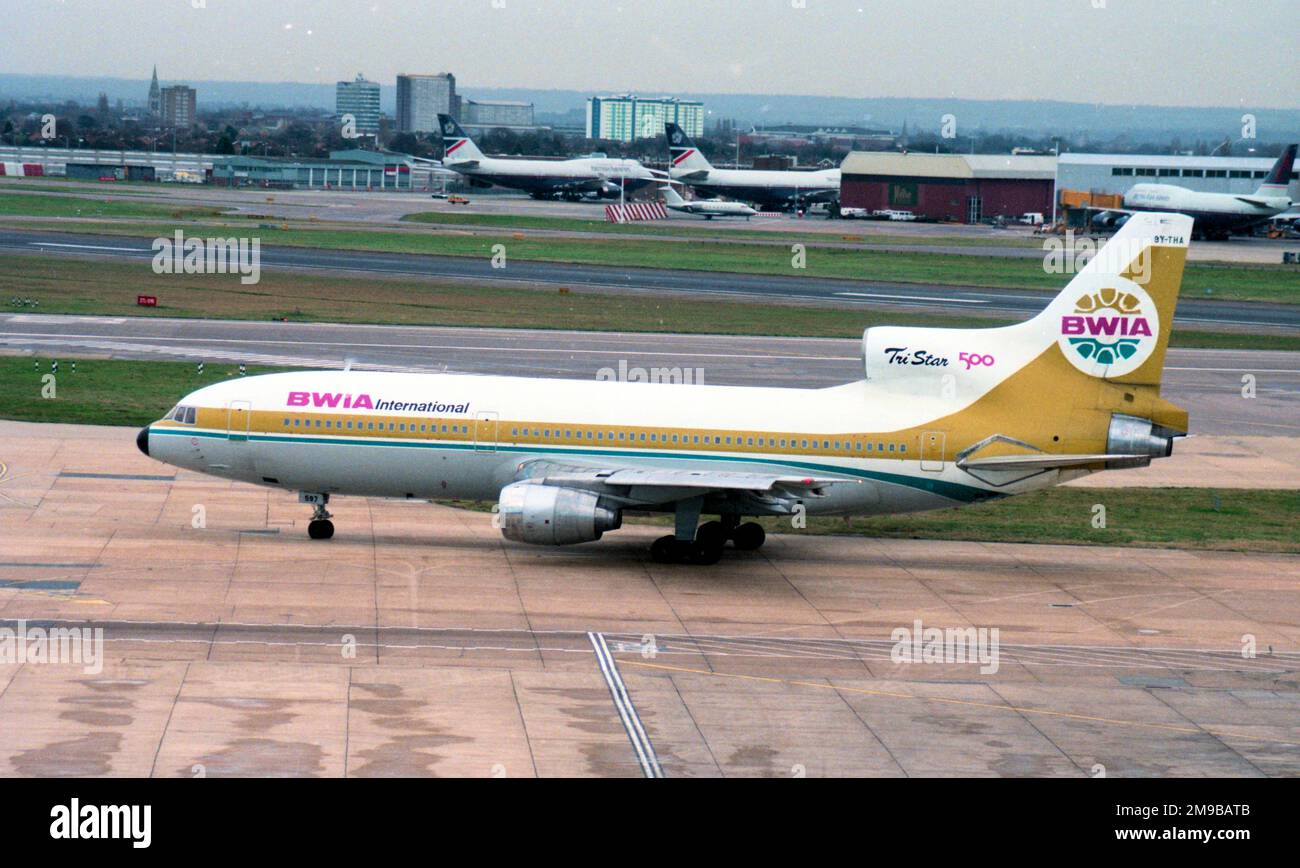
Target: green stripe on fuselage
951,490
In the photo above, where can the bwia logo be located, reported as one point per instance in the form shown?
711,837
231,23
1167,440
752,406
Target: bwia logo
1111,330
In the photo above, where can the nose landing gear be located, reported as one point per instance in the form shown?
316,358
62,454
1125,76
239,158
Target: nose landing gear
320,526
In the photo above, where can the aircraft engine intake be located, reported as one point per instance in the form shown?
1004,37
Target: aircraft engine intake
550,515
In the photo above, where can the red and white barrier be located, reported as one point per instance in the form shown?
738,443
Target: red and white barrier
634,211
20,170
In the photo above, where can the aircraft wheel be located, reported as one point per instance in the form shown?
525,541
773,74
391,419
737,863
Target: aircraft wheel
711,533
320,529
705,552
664,550
749,536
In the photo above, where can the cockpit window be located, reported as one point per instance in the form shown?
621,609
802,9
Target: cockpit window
184,415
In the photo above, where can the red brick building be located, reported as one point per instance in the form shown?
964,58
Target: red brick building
961,187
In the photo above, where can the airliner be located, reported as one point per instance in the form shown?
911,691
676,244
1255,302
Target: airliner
1217,215
771,188
706,208
542,179
940,418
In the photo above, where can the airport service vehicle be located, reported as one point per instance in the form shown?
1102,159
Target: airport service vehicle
706,208
854,213
1218,215
941,418
772,188
1031,218
457,200
542,179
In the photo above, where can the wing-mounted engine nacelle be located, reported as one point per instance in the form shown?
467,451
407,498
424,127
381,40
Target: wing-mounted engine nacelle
553,516
1140,438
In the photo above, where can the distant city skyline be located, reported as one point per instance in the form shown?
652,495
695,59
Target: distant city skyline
1115,52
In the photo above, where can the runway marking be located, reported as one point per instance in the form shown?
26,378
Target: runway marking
70,338
916,297
645,751
1068,715
91,247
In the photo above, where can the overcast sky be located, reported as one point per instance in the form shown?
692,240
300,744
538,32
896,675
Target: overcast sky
1185,52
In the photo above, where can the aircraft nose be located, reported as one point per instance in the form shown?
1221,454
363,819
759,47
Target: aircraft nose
142,440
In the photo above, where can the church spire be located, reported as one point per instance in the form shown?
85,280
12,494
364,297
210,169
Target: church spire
155,95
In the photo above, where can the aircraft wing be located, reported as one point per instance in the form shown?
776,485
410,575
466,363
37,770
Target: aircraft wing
673,478
648,485
1256,203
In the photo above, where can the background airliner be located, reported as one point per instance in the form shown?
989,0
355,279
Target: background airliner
543,179
943,417
764,187
1217,215
706,208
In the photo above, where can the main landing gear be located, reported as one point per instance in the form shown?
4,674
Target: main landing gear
320,526
704,545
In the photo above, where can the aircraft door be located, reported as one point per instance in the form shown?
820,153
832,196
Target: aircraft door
932,446
485,431
238,418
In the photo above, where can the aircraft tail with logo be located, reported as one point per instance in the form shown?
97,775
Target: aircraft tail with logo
1279,177
458,147
684,157
1079,383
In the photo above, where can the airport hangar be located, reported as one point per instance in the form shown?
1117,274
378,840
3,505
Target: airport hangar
1116,173
969,187
963,188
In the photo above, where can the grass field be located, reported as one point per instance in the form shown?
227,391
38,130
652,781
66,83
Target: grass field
696,227
1231,282
128,393
16,204
100,391
83,287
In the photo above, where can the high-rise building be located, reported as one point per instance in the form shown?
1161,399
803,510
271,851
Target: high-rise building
155,95
487,113
421,98
624,118
359,99
179,105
